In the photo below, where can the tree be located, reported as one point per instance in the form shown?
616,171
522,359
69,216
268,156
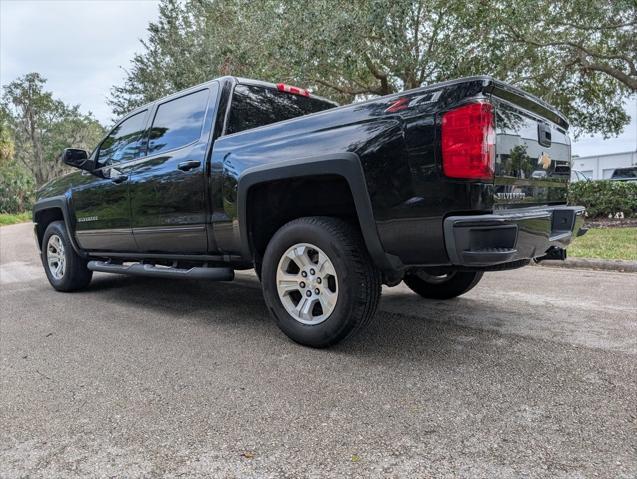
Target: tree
191,42
587,51
7,146
16,184
42,126
580,56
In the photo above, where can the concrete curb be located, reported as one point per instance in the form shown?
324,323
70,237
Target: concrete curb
600,264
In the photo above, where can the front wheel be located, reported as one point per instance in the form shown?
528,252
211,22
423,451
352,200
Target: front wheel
443,286
64,268
319,281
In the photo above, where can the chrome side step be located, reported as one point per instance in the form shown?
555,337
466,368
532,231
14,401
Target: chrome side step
139,269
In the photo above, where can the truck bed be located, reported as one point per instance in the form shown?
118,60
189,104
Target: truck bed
397,139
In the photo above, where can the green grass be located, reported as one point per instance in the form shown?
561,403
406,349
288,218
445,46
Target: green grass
9,219
606,243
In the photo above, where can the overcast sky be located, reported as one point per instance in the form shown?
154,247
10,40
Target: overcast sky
80,46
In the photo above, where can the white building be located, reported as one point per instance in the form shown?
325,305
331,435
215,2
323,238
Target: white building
601,167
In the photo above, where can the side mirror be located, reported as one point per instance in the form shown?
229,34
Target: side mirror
75,157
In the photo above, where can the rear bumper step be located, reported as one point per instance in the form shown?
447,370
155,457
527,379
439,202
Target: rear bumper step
490,255
511,235
139,269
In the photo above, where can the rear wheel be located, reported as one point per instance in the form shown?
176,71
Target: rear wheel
64,268
443,286
319,281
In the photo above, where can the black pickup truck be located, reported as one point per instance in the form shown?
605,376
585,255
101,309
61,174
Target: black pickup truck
432,186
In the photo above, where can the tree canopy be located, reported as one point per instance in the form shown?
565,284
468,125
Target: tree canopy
580,56
37,127
7,146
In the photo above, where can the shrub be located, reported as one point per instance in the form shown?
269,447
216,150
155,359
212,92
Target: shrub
605,198
17,188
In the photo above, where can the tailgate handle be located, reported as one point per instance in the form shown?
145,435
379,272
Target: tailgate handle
544,134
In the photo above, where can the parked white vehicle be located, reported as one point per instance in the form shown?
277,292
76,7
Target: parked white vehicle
625,174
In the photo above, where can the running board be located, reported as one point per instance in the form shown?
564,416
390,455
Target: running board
139,269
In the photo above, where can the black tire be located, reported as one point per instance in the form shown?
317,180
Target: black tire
358,283
458,283
76,275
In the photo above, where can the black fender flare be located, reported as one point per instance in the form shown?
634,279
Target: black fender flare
346,165
60,203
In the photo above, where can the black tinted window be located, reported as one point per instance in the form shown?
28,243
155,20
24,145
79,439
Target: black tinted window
254,106
124,143
625,173
178,122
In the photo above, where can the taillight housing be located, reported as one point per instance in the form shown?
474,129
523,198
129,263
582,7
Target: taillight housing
468,142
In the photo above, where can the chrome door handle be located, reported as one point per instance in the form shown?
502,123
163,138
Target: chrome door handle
119,179
189,165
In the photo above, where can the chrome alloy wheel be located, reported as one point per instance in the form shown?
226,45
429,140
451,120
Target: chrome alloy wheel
307,283
56,257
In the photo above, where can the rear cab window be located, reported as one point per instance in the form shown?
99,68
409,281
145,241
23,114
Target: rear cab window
255,105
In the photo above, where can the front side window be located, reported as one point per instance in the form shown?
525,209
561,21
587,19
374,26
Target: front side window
124,143
178,122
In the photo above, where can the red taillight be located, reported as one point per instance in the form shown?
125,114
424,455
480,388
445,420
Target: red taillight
292,89
468,142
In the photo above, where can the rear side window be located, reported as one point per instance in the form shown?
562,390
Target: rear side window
254,106
124,142
178,122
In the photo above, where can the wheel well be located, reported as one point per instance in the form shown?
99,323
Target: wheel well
44,218
272,204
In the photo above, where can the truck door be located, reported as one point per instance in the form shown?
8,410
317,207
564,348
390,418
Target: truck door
168,189
101,199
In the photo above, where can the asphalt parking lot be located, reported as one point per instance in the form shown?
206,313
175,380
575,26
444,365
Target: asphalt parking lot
531,374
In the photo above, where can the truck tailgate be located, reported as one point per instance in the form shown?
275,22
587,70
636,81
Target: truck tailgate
533,153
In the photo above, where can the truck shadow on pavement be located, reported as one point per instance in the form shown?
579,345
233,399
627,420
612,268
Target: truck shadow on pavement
404,322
